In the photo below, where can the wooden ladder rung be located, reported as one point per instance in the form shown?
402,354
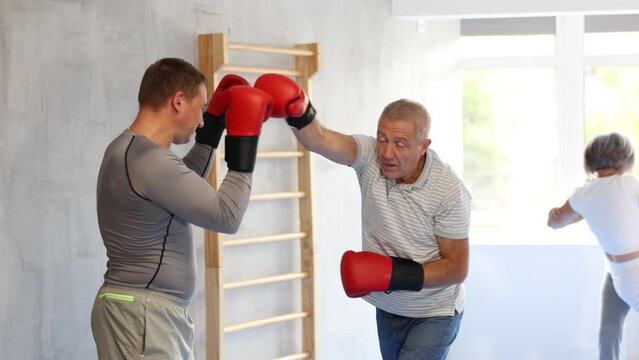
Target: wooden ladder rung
266,280
271,49
275,154
267,321
280,154
305,355
259,70
264,239
278,195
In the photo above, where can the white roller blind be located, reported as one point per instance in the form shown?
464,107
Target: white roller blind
508,26
612,23
546,25
472,9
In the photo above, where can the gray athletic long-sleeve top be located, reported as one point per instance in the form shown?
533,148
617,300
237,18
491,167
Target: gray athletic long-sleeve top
147,197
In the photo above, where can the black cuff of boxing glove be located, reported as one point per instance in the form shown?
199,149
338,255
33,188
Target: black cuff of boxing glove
240,152
300,122
407,275
211,133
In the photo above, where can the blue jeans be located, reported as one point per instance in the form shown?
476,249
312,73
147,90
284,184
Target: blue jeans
404,338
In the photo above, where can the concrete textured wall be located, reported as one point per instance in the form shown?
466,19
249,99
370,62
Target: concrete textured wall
69,73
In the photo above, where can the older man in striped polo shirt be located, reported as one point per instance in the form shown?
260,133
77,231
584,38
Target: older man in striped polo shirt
415,216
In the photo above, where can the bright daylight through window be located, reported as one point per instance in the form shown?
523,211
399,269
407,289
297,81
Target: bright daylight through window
527,116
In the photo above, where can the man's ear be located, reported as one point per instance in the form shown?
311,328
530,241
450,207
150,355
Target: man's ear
177,101
425,144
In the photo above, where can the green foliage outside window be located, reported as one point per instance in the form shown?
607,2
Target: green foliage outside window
483,160
612,102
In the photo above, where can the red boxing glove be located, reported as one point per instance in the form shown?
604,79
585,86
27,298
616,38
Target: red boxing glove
214,122
220,98
364,272
248,108
289,100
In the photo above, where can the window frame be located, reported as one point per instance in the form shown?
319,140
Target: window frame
569,62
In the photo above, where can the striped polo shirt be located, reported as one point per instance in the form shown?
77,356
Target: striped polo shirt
403,220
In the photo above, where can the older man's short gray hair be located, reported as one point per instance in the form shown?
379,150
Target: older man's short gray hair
609,151
404,109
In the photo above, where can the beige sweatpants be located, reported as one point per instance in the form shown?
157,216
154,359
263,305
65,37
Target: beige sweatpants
131,323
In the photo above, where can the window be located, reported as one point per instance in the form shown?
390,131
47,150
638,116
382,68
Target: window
509,114
611,77
611,96
534,92
507,46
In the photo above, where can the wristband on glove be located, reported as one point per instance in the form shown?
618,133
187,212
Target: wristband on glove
240,152
211,133
302,121
407,275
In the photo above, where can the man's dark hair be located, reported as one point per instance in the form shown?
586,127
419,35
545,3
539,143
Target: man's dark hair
166,77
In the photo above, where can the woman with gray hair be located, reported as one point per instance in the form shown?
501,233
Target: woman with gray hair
610,204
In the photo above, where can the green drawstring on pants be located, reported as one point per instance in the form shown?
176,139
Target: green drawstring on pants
114,296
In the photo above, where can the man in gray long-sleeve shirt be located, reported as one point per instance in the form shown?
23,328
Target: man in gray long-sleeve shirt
147,197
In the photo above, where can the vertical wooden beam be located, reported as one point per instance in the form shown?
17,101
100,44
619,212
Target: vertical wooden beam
212,56
308,66
214,298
